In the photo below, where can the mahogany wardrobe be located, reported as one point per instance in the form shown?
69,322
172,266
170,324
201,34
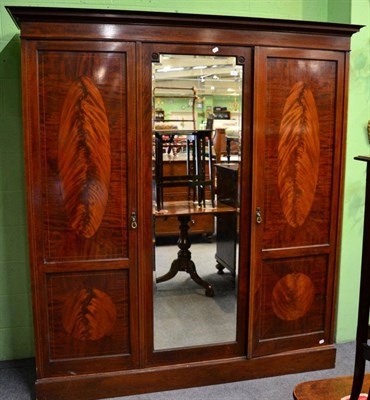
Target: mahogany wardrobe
87,80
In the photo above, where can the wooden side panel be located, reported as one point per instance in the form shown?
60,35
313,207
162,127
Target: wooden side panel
81,163
298,143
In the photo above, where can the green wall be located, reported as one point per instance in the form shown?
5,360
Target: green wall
16,339
357,144
339,10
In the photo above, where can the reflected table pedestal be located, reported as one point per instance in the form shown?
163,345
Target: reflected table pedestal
183,262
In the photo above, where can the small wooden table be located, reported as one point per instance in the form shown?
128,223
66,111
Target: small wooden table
183,210
328,389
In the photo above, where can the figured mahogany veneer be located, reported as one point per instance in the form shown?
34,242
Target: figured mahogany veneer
298,154
84,171
87,95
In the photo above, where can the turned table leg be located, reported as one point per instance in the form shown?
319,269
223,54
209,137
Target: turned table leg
183,262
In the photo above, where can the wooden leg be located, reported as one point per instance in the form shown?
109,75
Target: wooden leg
358,376
170,274
159,172
220,269
362,348
183,262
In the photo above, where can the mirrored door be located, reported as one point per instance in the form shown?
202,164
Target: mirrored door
199,269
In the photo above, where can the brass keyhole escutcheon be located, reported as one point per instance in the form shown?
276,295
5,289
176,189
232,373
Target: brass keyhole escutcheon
258,215
133,220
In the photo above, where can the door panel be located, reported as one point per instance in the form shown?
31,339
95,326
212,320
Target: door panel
82,167
83,131
293,295
296,137
299,139
195,334
89,314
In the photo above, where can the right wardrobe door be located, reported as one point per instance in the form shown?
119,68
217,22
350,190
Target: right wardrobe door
298,135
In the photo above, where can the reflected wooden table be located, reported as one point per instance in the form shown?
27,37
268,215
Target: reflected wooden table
183,210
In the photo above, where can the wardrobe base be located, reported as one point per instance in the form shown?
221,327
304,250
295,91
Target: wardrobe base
123,383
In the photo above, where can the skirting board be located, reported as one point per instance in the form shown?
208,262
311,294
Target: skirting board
19,363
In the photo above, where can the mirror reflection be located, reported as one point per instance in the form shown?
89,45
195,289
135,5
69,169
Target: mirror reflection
197,103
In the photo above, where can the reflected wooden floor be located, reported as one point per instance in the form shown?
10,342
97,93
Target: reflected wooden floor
328,389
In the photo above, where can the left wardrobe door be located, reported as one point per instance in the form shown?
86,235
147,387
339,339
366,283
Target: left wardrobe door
80,149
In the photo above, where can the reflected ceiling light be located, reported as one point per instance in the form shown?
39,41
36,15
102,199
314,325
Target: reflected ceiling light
101,72
170,69
200,67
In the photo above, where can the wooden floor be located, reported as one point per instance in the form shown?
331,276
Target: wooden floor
328,389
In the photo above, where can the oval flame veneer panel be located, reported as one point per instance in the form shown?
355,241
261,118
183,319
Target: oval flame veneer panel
298,154
84,159
292,296
89,315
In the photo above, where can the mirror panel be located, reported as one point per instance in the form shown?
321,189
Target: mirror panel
197,125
